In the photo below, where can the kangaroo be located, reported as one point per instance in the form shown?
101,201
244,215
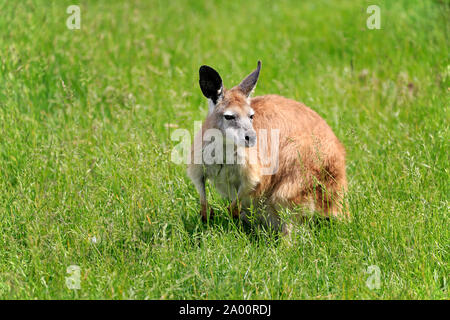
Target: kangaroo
309,159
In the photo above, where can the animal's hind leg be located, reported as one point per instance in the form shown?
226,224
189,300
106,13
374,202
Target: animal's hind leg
330,200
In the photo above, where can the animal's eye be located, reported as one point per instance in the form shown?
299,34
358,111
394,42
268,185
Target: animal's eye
251,116
229,116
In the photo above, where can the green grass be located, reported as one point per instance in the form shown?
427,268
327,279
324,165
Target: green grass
85,148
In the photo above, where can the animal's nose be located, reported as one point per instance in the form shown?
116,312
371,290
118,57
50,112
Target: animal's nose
250,138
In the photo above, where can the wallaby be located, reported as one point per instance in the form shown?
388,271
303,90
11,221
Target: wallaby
309,160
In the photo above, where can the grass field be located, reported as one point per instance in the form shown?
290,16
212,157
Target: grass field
85,172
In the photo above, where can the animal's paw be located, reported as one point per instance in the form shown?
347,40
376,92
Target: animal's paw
204,214
234,210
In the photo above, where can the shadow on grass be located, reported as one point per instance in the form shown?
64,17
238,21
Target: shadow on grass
255,232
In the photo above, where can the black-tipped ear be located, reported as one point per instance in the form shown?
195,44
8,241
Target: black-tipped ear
210,83
248,84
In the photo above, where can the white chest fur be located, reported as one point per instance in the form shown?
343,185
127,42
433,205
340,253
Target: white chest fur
226,178
225,175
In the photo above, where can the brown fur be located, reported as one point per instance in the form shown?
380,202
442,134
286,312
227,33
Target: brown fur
311,172
311,158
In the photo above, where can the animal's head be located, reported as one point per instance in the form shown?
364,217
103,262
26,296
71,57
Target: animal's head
230,110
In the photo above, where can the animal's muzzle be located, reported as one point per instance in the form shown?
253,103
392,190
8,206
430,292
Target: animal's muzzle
250,138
